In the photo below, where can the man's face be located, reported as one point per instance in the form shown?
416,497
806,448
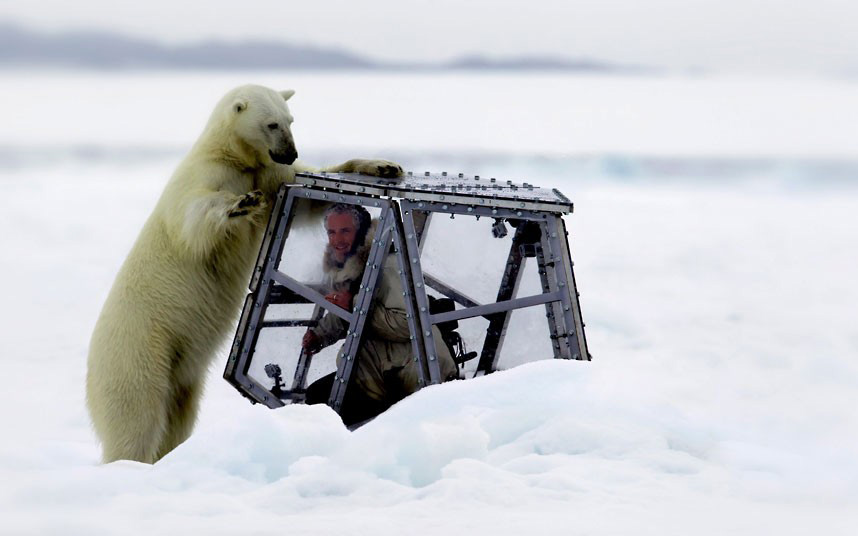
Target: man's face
341,235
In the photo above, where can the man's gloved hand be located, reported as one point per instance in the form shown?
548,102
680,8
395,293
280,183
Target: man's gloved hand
342,298
311,342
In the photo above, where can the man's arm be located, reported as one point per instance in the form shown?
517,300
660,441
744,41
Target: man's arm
387,317
330,328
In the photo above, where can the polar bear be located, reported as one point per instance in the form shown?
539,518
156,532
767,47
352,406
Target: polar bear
179,291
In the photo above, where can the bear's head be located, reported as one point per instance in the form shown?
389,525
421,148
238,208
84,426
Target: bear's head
259,119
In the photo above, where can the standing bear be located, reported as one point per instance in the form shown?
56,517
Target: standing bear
178,293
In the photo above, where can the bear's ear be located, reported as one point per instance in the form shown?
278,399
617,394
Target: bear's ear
239,105
287,93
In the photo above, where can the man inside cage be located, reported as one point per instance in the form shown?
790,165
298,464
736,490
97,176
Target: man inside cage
385,369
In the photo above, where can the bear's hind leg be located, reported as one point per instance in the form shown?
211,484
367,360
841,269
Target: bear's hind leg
135,428
182,407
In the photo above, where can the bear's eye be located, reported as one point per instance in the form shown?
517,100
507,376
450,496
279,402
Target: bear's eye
273,126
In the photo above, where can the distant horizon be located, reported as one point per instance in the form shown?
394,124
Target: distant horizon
105,49
723,36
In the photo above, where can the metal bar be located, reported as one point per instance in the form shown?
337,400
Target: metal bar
407,281
363,302
425,324
306,292
476,209
287,323
254,311
470,191
497,307
457,296
422,220
237,357
495,201
566,281
498,323
551,312
281,295
324,179
270,239
299,381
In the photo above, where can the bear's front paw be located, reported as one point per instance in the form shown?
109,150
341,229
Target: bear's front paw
248,202
378,168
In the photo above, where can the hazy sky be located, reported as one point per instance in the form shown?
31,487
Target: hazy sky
773,35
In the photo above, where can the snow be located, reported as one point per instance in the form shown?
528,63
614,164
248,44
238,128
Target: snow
494,112
718,294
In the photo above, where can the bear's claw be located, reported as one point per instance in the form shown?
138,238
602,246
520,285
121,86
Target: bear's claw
388,171
245,203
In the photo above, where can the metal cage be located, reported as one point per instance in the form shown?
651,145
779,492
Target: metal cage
406,208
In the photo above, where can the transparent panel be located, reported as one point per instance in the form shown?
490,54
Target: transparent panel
473,333
463,253
280,347
301,258
307,244
467,255
322,254
527,337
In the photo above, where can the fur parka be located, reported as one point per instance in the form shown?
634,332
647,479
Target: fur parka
385,368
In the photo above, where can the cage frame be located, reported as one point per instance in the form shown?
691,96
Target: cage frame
407,207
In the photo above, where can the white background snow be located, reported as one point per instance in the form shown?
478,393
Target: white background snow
716,242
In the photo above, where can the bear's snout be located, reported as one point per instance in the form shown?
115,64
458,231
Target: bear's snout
286,157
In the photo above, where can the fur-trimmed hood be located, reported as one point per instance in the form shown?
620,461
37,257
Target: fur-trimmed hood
345,276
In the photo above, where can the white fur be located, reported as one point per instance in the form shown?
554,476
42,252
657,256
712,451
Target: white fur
177,295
